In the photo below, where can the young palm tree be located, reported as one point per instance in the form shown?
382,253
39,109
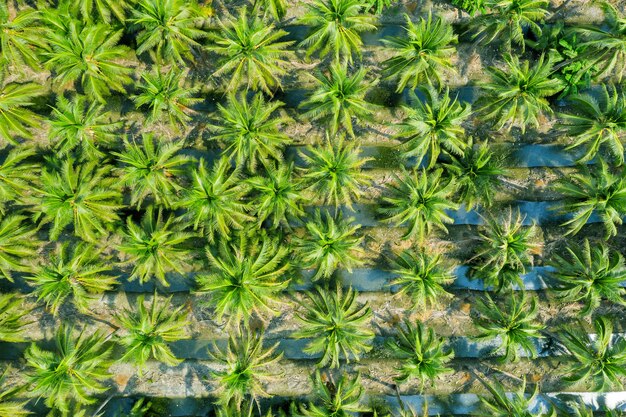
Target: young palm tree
246,278
433,125
73,371
329,243
152,168
169,29
249,132
252,52
88,54
12,321
598,359
419,199
421,353
339,399
166,96
148,331
592,190
589,275
19,37
9,407
516,404
422,55
84,196
17,173
18,244
338,327
339,97
78,273
597,124
214,202
16,119
513,322
275,8
155,247
82,126
335,27
333,172
421,275
518,95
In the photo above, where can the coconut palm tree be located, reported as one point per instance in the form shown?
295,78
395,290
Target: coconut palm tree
214,202
165,94
432,125
514,404
168,29
250,130
18,244
333,173
152,168
330,243
252,53
513,323
419,200
12,321
517,95
275,8
83,196
16,119
76,273
339,97
73,371
336,324
247,276
148,331
340,399
156,246
9,407
597,123
335,27
589,275
19,37
422,54
81,125
17,173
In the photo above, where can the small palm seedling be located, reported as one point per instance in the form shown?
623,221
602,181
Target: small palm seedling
422,55
155,247
593,190
165,94
504,251
19,37
78,273
17,244
275,8
77,125
598,359
12,314
421,276
246,278
252,53
589,275
249,131
17,173
214,201
149,330
339,97
477,174
518,95
419,200
516,404
335,27
9,407
73,371
422,354
433,125
333,172
597,124
329,243
513,322
339,399
336,324
16,118
247,366
169,29
84,196
151,169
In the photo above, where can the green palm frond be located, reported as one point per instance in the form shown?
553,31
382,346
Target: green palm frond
12,321
105,11
341,399
18,244
19,38
17,173
378,6
8,406
275,8
16,119
514,404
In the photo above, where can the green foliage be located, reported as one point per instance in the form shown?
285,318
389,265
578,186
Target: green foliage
471,6
433,125
275,8
518,95
422,54
17,174
599,360
516,404
252,53
337,325
16,119
18,243
148,331
8,406
341,399
19,38
378,6
12,314
330,243
99,10
421,353
419,199
76,272
246,278
513,321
